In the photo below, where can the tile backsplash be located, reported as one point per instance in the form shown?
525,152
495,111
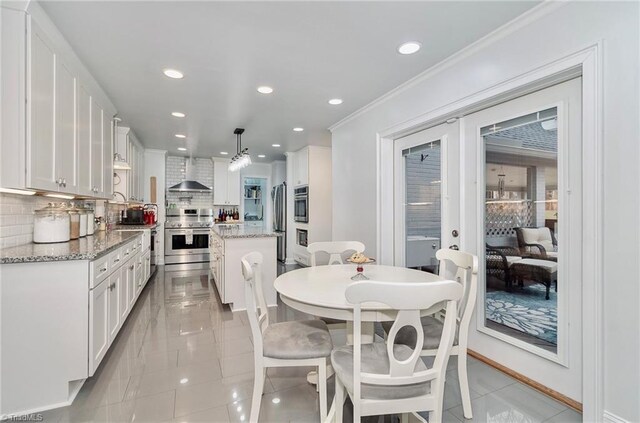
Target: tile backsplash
176,172
16,218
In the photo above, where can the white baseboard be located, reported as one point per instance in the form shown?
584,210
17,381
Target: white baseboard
608,417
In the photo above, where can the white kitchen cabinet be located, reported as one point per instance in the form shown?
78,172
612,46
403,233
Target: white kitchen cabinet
46,146
98,324
301,167
123,292
97,160
41,143
84,141
132,282
147,267
140,273
115,284
65,131
226,184
107,156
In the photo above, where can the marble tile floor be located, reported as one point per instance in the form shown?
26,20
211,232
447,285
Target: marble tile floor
184,357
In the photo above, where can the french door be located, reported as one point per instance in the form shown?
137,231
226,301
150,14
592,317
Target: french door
522,216
427,195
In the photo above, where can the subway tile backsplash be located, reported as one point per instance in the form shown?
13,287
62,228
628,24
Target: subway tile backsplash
176,172
16,218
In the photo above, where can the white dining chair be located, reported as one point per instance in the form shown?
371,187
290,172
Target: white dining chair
335,250
464,268
285,344
389,378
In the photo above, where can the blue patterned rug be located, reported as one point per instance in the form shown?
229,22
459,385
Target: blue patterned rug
526,310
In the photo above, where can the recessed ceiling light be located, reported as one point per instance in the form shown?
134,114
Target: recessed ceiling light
177,114
265,90
184,380
172,73
224,153
181,136
182,149
275,145
276,400
335,101
262,156
298,129
409,47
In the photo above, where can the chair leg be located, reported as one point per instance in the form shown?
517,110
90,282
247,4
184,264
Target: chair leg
339,400
322,384
463,380
258,385
437,389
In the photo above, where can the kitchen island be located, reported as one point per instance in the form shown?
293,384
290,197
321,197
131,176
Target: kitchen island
227,245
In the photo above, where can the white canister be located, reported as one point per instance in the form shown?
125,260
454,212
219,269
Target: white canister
51,224
91,217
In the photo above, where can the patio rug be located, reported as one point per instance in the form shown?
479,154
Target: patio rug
526,310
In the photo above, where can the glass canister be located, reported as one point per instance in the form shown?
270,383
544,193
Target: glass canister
83,219
51,224
74,222
91,221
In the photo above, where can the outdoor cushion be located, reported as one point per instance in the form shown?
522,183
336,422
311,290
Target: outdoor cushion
297,340
549,266
374,359
512,259
432,328
540,236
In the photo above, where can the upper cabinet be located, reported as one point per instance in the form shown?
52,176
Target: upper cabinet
58,135
129,181
301,167
226,184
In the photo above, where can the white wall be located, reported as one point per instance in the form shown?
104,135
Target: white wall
565,29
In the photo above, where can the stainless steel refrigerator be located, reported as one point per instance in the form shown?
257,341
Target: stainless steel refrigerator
279,198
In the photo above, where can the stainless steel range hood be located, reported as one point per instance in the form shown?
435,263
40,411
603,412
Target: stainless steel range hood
189,184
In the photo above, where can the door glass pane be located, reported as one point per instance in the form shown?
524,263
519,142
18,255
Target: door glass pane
423,205
521,227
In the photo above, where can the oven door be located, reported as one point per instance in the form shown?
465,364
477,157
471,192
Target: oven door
180,242
301,208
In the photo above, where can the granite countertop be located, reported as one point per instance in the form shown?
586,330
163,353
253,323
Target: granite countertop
86,248
120,227
243,231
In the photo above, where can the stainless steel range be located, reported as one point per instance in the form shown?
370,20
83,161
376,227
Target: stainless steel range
186,238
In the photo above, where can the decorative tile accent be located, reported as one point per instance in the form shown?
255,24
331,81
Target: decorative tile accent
176,172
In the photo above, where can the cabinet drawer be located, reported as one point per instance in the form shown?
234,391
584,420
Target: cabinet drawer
99,270
116,260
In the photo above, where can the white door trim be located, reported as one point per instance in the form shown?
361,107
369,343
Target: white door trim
587,63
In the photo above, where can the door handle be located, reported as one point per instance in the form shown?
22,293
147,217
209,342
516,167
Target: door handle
454,247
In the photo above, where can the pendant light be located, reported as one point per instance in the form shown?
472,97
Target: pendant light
242,158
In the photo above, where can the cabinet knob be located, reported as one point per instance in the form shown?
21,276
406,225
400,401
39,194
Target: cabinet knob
131,267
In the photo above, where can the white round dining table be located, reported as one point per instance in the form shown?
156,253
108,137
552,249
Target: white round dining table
320,290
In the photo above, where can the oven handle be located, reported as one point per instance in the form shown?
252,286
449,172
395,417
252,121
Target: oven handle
198,231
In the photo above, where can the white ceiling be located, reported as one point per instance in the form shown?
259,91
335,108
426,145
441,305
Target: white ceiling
309,52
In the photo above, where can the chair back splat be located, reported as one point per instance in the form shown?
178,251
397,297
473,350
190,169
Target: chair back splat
335,250
408,299
257,311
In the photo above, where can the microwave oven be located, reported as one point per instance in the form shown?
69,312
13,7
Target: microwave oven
301,204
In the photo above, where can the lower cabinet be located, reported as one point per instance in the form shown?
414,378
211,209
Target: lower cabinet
112,299
113,292
98,324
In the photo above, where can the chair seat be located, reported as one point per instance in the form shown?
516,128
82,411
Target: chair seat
374,359
330,321
432,328
297,340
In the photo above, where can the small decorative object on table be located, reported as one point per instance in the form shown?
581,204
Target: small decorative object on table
360,259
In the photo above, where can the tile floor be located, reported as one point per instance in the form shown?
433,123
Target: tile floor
183,357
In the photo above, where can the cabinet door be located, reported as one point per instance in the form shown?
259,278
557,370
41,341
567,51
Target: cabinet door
141,174
147,267
84,142
220,183
41,170
107,157
123,292
65,148
302,159
131,282
114,304
98,325
139,274
233,188
96,147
